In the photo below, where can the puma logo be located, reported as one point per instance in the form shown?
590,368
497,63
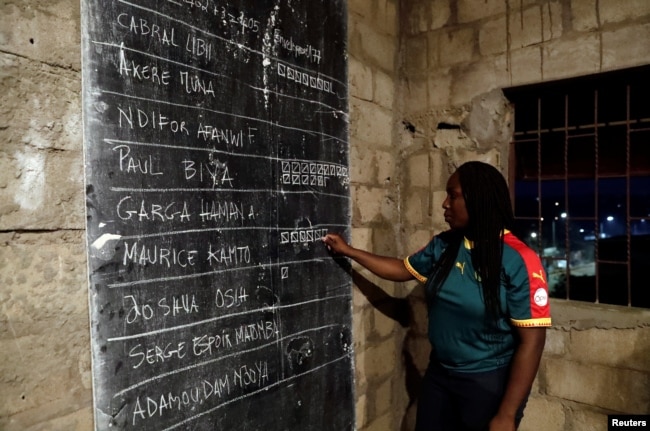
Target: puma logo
461,266
539,274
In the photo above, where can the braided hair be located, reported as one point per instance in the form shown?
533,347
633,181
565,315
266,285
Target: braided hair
489,208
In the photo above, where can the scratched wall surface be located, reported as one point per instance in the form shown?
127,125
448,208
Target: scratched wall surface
216,156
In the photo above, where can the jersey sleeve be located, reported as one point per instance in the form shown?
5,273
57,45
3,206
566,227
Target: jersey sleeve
420,263
527,290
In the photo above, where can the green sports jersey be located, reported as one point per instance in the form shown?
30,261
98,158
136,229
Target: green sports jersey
463,337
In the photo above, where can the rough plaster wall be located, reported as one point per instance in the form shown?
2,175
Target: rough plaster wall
379,314
457,56
44,337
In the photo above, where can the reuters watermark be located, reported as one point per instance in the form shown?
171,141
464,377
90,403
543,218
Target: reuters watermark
628,422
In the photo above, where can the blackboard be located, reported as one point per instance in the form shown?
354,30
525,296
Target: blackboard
216,156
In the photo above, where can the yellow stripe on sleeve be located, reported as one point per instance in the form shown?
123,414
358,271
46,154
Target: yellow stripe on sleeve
532,323
417,275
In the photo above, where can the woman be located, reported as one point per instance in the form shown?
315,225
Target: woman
488,307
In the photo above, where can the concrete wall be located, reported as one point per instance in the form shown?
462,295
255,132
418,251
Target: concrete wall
45,380
425,79
457,56
596,362
375,188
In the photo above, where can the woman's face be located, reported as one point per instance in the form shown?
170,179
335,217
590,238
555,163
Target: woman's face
454,205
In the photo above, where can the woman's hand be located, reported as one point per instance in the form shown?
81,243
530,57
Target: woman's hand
336,244
525,364
389,268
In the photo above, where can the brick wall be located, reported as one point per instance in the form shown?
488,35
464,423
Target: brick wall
457,57
596,362
45,379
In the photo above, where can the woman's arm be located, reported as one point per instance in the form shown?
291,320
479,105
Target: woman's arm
389,268
525,364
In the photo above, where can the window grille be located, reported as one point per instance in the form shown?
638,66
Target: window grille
580,166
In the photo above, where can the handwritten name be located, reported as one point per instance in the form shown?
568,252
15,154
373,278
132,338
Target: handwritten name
229,255
143,255
233,138
182,304
152,119
214,170
142,27
226,210
152,211
244,376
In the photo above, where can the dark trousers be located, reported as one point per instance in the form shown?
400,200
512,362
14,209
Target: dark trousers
455,401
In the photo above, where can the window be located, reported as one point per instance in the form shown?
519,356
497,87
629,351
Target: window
580,166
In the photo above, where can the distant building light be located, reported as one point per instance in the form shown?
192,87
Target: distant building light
582,230
563,215
610,218
533,234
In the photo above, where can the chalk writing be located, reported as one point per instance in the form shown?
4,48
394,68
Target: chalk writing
155,354
195,84
207,344
304,173
302,235
227,211
233,138
215,171
247,375
152,119
141,26
147,72
203,6
216,160
136,165
305,78
159,405
244,22
231,297
143,254
199,47
228,255
181,304
152,211
262,330
288,44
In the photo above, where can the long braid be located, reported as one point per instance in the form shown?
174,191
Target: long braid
443,265
489,208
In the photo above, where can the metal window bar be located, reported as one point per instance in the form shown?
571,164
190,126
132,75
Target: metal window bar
598,128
